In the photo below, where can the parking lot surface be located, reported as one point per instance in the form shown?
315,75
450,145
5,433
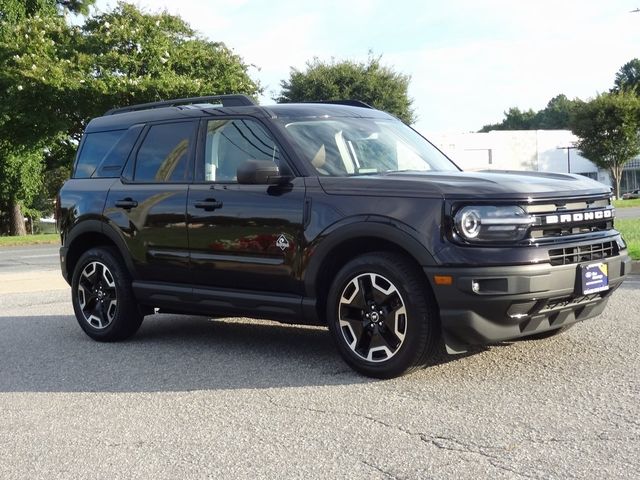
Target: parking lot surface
190,397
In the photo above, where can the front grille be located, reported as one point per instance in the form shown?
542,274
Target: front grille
583,253
566,208
553,232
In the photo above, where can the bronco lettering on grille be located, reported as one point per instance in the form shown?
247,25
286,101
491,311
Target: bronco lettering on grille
579,216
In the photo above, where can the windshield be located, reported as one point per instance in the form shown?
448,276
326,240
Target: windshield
358,146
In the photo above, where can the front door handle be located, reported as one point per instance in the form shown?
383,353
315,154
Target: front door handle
126,203
208,204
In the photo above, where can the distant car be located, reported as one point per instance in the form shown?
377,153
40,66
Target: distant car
632,194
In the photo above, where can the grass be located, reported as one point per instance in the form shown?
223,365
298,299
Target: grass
41,239
630,229
627,203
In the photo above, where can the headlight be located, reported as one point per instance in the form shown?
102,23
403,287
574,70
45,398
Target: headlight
492,223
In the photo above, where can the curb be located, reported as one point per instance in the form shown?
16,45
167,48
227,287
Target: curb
635,267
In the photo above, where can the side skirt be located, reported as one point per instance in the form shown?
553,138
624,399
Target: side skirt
195,299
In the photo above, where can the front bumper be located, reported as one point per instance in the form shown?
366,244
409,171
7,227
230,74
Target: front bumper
491,304
63,264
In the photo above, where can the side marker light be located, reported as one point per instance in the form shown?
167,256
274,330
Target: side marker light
443,279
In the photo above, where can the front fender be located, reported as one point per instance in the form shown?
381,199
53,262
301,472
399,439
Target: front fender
364,227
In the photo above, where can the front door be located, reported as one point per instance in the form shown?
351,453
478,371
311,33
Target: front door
243,236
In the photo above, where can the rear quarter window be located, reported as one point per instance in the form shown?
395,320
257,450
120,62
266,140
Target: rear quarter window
95,147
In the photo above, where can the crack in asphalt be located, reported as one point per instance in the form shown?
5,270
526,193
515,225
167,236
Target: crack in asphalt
487,452
438,441
375,467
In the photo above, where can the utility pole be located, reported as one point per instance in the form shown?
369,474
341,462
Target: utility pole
568,149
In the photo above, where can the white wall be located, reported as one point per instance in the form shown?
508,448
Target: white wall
533,150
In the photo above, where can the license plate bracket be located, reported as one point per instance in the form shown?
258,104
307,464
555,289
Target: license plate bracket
594,277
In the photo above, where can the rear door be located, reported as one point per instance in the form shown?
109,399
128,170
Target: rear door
245,237
148,204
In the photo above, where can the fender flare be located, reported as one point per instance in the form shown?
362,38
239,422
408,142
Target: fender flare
100,227
382,228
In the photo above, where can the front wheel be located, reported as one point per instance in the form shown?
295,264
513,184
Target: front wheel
102,297
382,315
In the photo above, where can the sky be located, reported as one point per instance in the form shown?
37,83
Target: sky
469,60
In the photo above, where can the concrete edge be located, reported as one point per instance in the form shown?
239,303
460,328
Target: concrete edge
635,267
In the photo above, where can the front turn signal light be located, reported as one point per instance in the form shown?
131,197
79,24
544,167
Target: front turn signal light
443,279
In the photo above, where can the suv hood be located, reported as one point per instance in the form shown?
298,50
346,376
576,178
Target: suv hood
467,185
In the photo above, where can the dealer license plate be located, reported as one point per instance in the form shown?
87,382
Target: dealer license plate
594,278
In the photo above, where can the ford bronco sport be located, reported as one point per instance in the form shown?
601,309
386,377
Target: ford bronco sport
331,214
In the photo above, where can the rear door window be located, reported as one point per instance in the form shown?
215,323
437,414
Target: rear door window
165,153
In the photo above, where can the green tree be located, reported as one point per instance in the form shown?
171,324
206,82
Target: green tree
12,11
371,82
609,131
133,57
21,163
556,115
55,76
20,181
628,77
514,119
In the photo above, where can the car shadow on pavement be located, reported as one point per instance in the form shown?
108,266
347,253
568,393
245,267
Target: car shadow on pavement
171,353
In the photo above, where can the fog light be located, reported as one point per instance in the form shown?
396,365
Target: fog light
520,310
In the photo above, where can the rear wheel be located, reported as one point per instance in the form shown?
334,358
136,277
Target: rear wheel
102,297
382,315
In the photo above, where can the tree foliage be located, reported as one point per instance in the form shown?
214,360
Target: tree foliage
12,11
628,77
56,76
20,181
514,119
59,76
371,82
21,165
609,131
556,115
133,57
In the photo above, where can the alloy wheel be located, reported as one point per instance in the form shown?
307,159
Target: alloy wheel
372,317
97,295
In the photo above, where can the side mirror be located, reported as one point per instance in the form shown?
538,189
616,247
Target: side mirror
259,172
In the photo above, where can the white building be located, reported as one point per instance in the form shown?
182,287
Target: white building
533,150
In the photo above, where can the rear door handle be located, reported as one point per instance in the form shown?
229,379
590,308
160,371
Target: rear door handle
208,204
126,203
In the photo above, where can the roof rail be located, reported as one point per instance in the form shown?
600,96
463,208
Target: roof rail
350,103
226,100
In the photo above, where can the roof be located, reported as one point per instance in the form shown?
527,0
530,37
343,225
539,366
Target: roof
115,120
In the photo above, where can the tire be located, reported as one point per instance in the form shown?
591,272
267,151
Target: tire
102,297
382,315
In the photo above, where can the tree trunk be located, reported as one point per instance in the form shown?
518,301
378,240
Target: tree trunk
16,220
616,173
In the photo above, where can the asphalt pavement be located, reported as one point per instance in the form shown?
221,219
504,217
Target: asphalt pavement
30,269
191,397
29,258
628,212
